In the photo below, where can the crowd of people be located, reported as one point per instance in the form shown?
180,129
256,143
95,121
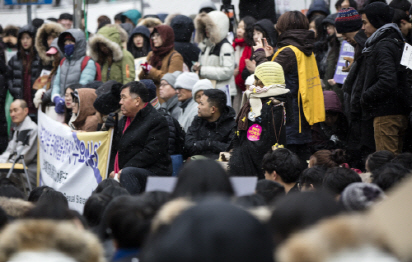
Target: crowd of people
206,98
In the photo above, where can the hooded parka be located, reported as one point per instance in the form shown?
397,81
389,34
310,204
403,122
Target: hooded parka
46,30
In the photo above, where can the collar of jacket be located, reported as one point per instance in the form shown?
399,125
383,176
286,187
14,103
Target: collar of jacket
381,33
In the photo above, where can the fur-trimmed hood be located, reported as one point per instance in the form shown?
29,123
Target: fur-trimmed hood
124,35
150,22
110,36
46,30
216,23
45,237
338,237
15,207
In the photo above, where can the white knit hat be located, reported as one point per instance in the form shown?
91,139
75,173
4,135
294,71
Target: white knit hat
202,84
186,80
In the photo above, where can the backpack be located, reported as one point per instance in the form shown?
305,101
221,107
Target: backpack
84,64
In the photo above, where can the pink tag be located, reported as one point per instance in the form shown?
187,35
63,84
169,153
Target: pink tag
254,132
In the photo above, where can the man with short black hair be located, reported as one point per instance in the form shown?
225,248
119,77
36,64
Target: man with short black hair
284,167
142,140
214,126
66,20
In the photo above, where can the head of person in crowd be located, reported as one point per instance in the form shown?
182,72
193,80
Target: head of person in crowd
213,26
52,19
201,177
139,42
318,28
66,20
53,198
348,23
94,208
241,236
115,191
46,34
107,100
333,108
245,30
83,117
282,166
338,178
361,196
10,191
264,29
10,34
389,175
292,20
183,27
150,85
403,5
37,192
133,97
296,212
212,104
150,23
250,201
378,159
106,183
374,16
270,190
207,6
184,85
327,158
402,20
329,24
200,87
167,88
118,18
312,178
102,21
318,7
18,111
25,43
68,100
131,16
404,159
67,43
341,4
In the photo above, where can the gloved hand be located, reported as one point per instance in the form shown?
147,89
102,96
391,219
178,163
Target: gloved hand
146,67
111,120
59,104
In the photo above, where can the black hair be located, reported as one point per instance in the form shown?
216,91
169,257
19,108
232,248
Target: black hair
155,199
352,3
115,191
404,159
378,159
74,86
250,201
260,29
52,19
216,98
201,177
403,5
37,192
139,89
53,198
4,181
286,164
321,33
249,22
368,2
337,178
106,183
66,16
389,175
295,212
270,190
94,208
398,16
118,16
44,210
10,191
313,176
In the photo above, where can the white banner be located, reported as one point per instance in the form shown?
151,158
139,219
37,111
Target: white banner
71,162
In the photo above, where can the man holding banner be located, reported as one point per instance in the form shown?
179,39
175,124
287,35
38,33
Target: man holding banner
142,140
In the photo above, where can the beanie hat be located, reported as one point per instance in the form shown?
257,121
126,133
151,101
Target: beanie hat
151,87
348,20
202,84
186,80
171,77
108,101
330,19
360,196
378,14
104,87
270,73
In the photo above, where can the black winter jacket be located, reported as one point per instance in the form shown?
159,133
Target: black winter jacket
176,133
144,144
209,139
384,82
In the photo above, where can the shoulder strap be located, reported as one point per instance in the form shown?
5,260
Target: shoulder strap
84,62
281,49
62,60
170,58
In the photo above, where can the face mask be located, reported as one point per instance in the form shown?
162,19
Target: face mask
69,49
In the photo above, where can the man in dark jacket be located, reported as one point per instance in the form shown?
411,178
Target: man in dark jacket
214,126
142,140
384,87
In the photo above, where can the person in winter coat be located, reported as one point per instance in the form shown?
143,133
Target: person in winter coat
163,58
296,40
167,92
318,7
200,87
3,92
139,42
183,28
132,16
73,44
44,37
116,63
216,60
260,9
385,96
213,128
84,114
140,141
25,68
184,85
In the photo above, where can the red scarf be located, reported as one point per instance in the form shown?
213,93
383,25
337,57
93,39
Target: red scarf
246,54
168,38
116,160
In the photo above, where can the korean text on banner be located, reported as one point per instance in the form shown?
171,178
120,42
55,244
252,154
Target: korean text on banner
71,162
346,51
